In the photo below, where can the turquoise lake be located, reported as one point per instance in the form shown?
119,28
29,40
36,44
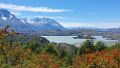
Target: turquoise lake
77,42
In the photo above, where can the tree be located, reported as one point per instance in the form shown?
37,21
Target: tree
116,46
49,48
86,47
10,54
100,46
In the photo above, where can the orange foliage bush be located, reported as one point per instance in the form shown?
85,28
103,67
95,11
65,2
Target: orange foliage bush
102,59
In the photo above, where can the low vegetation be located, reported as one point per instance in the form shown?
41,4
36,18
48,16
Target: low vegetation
28,51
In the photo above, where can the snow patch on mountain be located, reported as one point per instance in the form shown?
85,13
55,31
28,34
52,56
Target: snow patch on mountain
4,18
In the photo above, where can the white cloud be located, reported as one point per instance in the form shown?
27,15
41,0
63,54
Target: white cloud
31,9
53,17
71,24
88,24
16,13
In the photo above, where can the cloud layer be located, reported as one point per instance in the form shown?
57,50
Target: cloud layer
88,24
31,9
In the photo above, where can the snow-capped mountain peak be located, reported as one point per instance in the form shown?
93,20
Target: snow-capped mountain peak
27,24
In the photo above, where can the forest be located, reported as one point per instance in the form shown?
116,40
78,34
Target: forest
32,51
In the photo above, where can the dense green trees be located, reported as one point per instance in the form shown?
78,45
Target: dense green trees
89,47
24,39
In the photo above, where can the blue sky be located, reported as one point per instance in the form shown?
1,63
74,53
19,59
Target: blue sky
70,13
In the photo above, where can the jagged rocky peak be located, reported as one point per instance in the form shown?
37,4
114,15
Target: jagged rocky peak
5,14
44,21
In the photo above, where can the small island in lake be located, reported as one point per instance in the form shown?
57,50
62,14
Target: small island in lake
84,37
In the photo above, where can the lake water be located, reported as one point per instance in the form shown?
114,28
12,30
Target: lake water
77,42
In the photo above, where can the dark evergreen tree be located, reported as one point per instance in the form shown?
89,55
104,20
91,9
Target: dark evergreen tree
100,46
86,47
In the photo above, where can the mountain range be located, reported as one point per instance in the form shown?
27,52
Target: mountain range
37,24
25,24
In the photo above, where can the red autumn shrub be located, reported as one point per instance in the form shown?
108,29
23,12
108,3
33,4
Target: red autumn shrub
102,59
